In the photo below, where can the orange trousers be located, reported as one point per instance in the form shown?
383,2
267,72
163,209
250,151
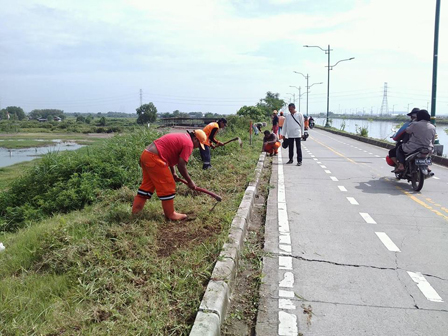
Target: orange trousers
272,148
156,176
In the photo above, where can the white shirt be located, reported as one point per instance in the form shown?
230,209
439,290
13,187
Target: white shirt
291,128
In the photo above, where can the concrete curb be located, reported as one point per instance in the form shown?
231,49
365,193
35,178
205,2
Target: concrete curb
214,304
435,158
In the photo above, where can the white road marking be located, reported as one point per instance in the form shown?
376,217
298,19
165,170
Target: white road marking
387,242
286,248
286,304
287,324
315,159
371,153
318,162
313,156
436,178
367,184
367,218
322,166
424,286
327,171
352,201
334,178
288,280
377,155
342,188
284,238
286,293
285,263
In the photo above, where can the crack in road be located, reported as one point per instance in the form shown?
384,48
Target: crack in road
357,265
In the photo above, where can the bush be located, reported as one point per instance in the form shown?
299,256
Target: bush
67,181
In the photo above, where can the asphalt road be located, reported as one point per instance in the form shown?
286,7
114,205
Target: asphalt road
351,250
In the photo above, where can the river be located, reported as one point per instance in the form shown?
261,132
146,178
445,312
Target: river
380,129
9,157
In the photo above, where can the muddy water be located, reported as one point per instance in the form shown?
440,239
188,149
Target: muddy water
9,157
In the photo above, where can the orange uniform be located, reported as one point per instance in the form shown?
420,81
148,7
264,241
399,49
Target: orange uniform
208,130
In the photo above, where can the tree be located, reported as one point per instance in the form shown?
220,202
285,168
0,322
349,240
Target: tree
270,103
46,113
14,113
146,113
102,121
251,112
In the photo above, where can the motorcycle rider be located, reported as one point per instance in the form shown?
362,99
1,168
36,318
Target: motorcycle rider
401,136
422,135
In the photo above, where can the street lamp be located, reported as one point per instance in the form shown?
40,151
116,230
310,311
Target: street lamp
327,51
300,94
307,87
293,95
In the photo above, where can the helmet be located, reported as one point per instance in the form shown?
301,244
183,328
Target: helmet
389,161
201,136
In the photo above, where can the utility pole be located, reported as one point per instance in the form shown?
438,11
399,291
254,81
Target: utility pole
141,96
384,107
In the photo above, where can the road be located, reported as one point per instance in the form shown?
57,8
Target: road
351,250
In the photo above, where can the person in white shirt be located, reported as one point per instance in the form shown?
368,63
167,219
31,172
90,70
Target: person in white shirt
293,131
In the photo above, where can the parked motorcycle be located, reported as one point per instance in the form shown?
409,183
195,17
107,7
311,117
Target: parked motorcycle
416,168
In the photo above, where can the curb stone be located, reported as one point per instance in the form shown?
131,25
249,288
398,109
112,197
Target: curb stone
213,307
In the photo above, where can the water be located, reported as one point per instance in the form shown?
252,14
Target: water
9,157
380,129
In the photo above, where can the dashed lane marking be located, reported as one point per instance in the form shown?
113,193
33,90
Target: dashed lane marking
387,242
367,218
425,287
334,178
352,201
342,188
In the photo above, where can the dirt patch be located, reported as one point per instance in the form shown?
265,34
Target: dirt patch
242,312
174,235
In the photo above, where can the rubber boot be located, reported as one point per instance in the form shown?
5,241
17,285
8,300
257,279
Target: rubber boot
139,203
168,209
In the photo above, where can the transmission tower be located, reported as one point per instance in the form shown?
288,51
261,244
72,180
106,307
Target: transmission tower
384,108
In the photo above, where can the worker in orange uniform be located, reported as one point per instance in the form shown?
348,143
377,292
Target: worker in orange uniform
158,161
271,143
281,121
210,130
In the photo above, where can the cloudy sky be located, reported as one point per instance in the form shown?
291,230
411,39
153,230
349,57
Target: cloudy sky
218,55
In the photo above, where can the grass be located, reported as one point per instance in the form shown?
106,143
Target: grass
101,271
10,173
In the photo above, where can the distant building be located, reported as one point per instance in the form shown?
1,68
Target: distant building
57,119
41,120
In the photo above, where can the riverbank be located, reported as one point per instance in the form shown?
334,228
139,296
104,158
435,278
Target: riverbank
28,140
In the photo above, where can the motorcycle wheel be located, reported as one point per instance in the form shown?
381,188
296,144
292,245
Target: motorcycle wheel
417,179
311,125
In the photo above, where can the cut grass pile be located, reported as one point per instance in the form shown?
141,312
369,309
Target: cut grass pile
99,270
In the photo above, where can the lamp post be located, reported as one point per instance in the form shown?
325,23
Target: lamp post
300,94
307,77
327,51
293,96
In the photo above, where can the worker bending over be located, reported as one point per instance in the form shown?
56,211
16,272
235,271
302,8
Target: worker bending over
210,131
271,143
158,161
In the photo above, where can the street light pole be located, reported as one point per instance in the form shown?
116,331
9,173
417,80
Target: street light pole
330,67
300,94
307,77
434,70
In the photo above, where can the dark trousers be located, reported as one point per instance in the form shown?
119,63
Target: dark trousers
205,156
291,148
400,155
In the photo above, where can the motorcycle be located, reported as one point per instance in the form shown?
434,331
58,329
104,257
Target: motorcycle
311,123
416,168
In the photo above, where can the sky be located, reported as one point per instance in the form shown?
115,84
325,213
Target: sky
216,56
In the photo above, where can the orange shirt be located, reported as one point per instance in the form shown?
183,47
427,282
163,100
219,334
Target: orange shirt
281,120
208,130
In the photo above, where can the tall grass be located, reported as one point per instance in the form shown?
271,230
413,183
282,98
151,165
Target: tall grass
98,270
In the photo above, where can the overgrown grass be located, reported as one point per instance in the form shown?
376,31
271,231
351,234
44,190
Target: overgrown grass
100,271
